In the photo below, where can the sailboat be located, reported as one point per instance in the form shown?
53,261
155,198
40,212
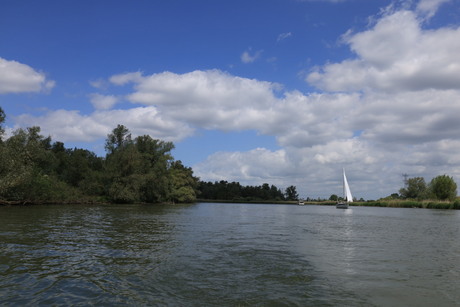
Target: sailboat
346,194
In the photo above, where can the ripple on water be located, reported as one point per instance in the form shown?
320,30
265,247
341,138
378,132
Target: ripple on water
232,255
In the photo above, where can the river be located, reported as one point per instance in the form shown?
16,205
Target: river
211,254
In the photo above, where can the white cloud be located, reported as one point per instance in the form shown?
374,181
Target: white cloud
396,55
216,100
125,78
247,57
102,102
247,167
409,118
175,105
16,77
428,8
208,99
315,171
64,125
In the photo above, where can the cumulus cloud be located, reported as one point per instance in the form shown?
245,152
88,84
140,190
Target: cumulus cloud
217,100
315,171
122,79
102,102
207,99
74,126
428,8
249,167
409,118
16,77
395,55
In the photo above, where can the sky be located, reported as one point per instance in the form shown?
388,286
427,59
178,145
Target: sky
285,92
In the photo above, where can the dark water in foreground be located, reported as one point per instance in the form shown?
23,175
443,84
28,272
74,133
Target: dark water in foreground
228,255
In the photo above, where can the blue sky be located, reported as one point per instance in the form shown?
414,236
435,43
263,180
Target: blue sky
281,91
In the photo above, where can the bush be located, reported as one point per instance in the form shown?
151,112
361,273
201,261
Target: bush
444,187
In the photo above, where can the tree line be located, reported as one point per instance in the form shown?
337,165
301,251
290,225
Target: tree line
34,169
234,191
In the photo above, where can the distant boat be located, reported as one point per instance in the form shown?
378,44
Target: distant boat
301,203
348,198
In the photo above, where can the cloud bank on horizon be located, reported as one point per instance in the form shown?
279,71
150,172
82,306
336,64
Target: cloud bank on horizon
389,107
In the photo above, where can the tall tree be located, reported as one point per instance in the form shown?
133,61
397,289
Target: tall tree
184,185
443,187
139,169
415,188
334,197
119,138
27,166
291,193
2,120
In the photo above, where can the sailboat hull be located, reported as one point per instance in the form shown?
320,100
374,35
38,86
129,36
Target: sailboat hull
341,206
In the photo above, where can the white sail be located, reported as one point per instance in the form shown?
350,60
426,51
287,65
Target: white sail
346,189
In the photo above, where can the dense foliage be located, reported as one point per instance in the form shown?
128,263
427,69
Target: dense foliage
441,188
33,169
416,188
234,191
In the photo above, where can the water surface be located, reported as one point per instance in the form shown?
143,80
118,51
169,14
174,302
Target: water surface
228,255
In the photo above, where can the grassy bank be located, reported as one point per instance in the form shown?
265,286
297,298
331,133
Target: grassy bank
427,204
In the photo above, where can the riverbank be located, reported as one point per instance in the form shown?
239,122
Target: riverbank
425,204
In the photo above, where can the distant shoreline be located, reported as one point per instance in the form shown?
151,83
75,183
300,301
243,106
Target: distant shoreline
455,205
426,204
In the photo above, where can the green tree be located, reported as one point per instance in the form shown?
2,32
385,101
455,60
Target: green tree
27,168
184,185
416,188
125,173
79,168
443,187
137,170
156,161
276,193
265,191
334,197
291,193
2,120
119,138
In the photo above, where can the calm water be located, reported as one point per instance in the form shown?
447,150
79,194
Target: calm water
228,255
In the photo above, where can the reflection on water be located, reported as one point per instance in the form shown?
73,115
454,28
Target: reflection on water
228,254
